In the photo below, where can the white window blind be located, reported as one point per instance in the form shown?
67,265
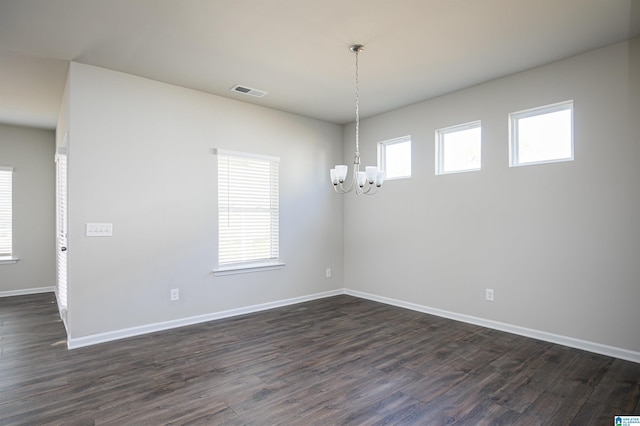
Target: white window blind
6,220
248,208
61,258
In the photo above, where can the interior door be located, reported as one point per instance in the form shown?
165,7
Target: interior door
61,228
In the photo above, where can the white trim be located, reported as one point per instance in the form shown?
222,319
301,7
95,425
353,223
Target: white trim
400,139
544,109
218,151
61,150
514,146
585,345
8,260
245,268
6,168
94,339
440,146
27,291
382,156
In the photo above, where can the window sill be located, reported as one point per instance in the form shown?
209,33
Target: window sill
535,163
8,260
247,268
386,179
451,172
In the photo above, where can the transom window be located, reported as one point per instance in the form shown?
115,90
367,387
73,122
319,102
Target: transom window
541,135
459,148
394,158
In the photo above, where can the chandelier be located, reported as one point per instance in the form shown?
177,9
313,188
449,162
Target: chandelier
371,179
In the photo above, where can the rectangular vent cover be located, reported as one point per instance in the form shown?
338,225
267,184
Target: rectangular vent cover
248,91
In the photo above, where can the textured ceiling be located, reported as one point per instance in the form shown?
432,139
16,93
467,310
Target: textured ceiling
297,50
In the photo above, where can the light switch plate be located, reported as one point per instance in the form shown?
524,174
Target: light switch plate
99,229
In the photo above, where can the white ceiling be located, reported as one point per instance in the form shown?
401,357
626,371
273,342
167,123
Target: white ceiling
297,50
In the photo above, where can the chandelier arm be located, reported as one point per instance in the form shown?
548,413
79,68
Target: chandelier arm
350,187
372,190
340,189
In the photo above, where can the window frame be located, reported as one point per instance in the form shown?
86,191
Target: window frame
440,150
6,195
514,145
243,265
382,156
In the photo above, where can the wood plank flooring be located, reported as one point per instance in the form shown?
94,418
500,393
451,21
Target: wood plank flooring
335,361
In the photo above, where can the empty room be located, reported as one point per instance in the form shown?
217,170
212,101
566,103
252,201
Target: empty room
336,212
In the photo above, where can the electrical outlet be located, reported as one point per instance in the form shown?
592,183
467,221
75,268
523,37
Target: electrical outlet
489,294
328,273
175,294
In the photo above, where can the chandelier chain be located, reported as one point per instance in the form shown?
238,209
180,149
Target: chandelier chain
357,108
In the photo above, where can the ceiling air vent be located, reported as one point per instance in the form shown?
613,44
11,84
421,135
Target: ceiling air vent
248,91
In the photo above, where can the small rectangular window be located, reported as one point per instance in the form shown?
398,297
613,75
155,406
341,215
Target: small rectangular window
6,212
394,158
459,148
248,210
541,135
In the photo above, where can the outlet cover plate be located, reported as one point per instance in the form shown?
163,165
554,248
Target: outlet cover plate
175,294
489,294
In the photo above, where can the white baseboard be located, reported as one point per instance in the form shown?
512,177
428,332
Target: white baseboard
26,291
598,348
585,345
94,339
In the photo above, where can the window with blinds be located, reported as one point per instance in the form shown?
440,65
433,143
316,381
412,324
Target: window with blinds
61,205
6,220
248,209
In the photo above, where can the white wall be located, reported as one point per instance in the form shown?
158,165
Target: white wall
30,152
559,243
140,157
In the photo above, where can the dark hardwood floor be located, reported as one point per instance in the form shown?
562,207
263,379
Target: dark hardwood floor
340,360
